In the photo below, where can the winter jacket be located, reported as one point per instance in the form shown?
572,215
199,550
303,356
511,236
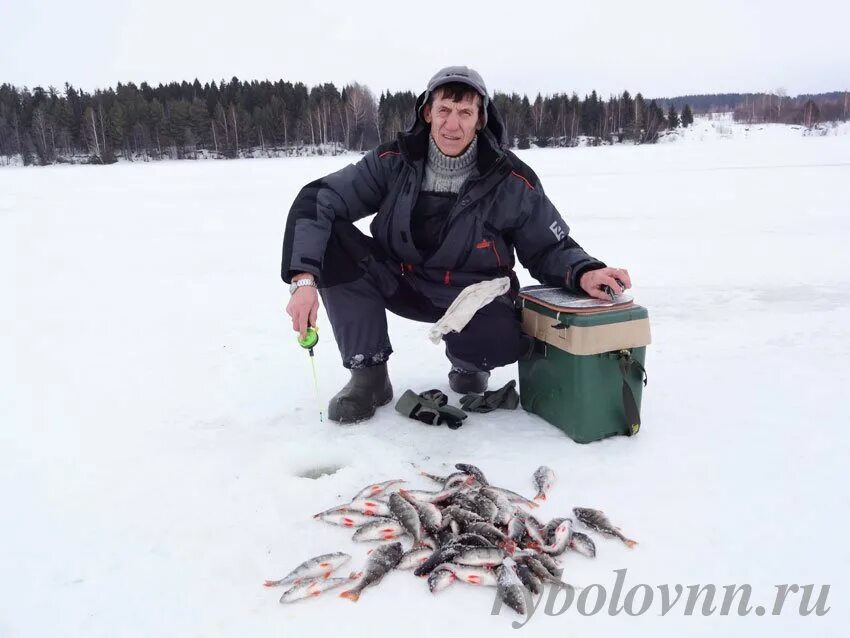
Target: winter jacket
501,209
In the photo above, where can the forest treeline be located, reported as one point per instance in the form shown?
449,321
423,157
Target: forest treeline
238,118
775,106
263,118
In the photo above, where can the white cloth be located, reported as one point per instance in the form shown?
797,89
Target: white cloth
468,302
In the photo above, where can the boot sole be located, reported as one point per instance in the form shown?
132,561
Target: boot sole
346,421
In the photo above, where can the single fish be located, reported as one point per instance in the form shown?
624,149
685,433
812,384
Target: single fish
434,477
529,579
429,514
437,558
550,564
516,529
488,531
473,471
465,500
458,479
544,477
370,507
480,556
462,516
370,491
506,509
487,509
510,587
314,587
548,532
439,580
583,544
380,529
597,521
469,540
345,518
332,510
539,570
561,538
448,551
380,562
425,496
317,567
517,499
472,540
532,528
407,515
471,575
414,557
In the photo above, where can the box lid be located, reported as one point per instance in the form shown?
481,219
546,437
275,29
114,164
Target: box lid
580,310
563,300
610,327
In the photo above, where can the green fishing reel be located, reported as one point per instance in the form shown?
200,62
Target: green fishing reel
310,339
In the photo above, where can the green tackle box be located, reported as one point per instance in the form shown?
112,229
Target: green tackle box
586,373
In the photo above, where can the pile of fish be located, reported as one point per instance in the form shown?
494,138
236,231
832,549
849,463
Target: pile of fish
467,530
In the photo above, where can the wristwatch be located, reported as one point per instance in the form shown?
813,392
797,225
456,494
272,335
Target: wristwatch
307,281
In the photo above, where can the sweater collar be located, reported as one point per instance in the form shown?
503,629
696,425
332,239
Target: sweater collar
414,147
444,164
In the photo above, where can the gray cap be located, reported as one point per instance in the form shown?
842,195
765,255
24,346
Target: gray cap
462,74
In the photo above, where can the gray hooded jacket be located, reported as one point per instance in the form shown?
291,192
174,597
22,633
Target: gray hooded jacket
500,210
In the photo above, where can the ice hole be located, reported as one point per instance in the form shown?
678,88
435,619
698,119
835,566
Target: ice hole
318,471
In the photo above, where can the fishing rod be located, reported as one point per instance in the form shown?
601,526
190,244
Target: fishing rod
308,342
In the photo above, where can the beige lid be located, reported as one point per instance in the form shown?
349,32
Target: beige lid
585,340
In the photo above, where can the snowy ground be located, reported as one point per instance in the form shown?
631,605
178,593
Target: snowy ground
157,414
722,126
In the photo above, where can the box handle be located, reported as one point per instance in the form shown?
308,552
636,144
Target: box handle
624,358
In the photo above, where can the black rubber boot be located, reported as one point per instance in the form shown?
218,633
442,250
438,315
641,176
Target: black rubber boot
468,382
367,389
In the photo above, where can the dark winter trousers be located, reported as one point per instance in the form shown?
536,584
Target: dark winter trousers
359,284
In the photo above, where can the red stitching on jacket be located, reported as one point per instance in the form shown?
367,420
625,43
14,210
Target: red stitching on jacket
527,183
486,243
495,250
447,278
385,153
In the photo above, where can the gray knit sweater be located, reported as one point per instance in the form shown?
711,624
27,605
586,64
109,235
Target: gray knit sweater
444,174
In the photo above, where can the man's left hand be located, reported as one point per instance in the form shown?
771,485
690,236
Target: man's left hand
592,282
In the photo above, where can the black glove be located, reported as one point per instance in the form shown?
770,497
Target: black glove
431,408
505,397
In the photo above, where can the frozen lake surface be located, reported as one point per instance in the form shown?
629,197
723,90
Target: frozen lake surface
159,420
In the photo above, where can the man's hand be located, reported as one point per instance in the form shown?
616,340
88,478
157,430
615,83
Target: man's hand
303,307
593,281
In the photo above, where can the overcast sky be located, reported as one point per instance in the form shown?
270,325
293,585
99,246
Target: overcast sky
659,47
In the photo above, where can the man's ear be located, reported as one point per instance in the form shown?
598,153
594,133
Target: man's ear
426,113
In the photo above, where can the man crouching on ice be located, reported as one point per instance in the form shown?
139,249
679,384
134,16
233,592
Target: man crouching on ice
452,204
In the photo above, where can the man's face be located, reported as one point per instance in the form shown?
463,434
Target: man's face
453,124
